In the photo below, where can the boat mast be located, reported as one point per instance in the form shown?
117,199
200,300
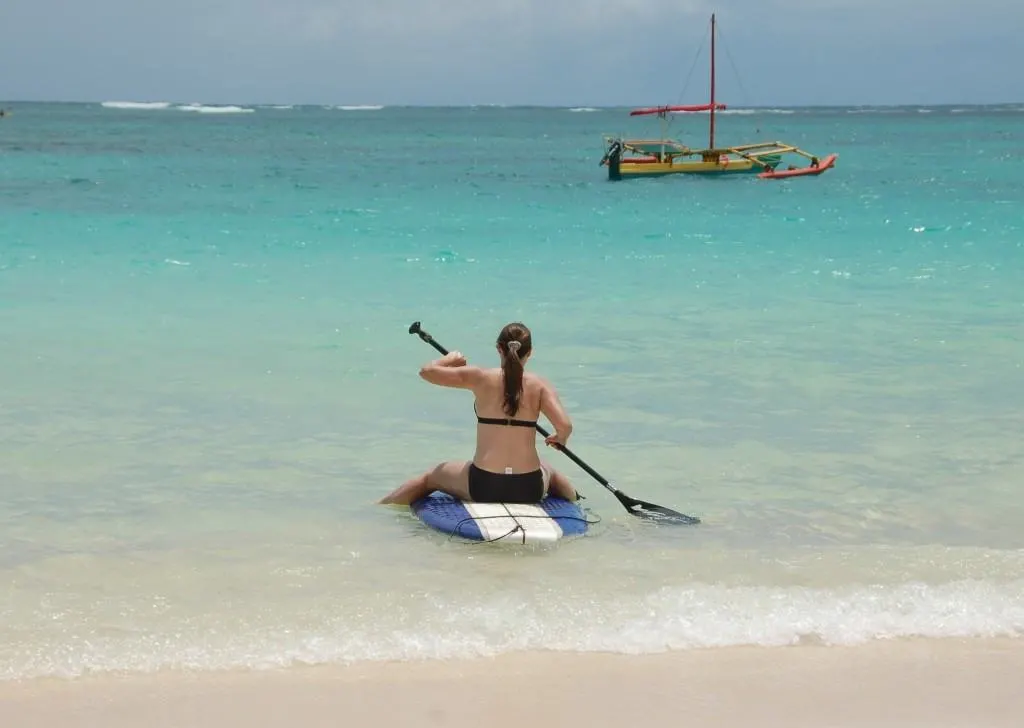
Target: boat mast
711,141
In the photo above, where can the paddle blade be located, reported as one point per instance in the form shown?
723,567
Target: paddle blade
656,513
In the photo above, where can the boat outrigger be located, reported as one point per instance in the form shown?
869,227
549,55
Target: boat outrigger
633,158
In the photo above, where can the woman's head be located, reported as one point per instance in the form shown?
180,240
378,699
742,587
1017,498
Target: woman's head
515,344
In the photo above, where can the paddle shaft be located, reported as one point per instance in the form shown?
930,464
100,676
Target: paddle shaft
593,473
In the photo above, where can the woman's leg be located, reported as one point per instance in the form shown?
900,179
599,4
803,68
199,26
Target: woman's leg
451,477
559,485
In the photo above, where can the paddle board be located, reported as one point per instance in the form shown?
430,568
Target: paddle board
523,523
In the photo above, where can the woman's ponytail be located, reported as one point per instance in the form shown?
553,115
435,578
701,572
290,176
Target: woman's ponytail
515,345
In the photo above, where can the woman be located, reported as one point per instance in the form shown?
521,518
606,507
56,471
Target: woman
505,467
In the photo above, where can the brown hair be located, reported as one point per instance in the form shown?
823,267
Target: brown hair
515,344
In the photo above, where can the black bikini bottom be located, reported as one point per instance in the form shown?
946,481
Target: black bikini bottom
488,487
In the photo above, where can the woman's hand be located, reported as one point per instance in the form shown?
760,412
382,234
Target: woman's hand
554,440
452,359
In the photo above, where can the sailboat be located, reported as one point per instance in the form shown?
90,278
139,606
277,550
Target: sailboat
635,158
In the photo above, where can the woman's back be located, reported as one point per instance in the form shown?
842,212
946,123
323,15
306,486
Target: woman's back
512,444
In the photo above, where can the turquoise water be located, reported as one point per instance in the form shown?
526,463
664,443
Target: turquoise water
207,382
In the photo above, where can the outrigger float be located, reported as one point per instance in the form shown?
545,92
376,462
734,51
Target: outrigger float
634,158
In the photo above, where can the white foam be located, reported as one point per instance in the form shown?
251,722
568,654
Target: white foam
700,616
140,105
873,110
583,109
201,109
360,107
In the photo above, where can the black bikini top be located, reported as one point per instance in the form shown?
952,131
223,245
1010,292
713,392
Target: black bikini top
503,420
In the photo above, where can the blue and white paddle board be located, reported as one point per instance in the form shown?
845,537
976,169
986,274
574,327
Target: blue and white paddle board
523,523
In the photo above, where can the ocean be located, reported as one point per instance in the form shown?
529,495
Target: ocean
208,382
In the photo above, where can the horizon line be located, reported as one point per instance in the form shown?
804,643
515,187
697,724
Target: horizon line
380,105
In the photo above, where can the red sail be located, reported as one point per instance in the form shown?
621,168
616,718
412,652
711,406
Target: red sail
667,109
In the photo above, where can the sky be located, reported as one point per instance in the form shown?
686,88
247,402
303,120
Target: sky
530,52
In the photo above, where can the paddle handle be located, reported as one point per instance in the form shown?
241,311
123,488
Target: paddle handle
415,329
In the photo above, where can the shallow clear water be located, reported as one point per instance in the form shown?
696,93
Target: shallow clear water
207,382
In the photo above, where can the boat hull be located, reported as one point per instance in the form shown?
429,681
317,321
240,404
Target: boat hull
816,168
623,169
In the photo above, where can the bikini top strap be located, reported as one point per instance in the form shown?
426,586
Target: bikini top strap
507,421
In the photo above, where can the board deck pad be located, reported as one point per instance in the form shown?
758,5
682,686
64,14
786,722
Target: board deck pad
545,522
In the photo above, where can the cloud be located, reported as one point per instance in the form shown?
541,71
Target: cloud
595,52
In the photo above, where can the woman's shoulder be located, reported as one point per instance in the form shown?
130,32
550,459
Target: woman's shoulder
539,381
488,375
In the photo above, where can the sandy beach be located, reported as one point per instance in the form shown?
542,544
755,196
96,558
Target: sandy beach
940,684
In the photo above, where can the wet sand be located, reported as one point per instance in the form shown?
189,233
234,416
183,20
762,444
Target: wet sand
934,683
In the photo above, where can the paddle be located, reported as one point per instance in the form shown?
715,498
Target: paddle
638,508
